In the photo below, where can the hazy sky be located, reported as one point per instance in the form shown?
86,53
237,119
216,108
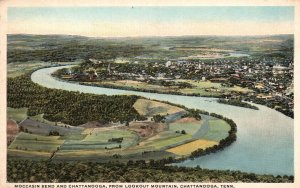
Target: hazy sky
151,21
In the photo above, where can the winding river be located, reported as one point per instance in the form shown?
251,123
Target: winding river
265,137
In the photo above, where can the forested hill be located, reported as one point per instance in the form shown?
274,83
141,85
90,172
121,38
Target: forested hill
72,108
139,171
63,48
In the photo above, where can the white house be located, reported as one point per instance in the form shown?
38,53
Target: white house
168,63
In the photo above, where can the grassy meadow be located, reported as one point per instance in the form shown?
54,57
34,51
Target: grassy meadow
149,108
17,114
204,88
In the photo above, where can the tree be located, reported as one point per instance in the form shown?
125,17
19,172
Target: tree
158,118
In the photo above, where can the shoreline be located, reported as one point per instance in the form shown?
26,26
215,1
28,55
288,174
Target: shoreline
203,102
238,103
149,91
162,92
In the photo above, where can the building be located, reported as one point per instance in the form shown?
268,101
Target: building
168,63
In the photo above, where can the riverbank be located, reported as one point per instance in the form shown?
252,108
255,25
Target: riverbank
272,150
246,105
146,90
163,91
237,103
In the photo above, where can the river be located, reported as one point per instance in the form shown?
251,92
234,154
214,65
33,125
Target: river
265,137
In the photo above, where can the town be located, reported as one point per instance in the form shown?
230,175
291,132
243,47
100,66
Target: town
269,80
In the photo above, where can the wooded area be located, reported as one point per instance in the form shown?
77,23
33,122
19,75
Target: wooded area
138,171
72,108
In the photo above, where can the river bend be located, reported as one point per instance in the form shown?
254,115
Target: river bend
265,137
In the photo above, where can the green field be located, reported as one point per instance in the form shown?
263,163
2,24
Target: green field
130,138
27,136
134,84
205,88
16,69
218,130
150,108
30,155
168,142
98,139
17,114
37,143
212,131
39,125
73,137
40,118
94,143
189,127
210,88
43,128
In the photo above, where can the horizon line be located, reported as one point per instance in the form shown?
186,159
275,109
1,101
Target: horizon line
152,36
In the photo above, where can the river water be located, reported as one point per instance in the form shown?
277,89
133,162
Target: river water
265,137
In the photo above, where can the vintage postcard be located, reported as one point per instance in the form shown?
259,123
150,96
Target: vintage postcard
148,95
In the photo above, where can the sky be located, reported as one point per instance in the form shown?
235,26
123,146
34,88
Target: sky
151,21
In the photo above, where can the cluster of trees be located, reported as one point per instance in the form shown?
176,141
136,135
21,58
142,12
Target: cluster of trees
134,171
180,85
158,118
118,140
181,132
53,133
286,111
195,113
72,108
284,108
22,129
236,102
